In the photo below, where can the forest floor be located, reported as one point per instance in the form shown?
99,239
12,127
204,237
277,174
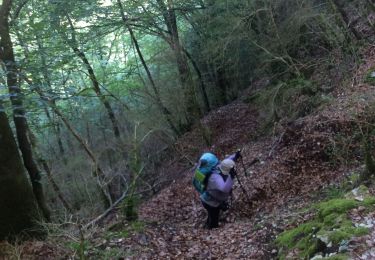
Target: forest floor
294,171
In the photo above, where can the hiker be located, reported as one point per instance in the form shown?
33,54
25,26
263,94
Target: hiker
216,181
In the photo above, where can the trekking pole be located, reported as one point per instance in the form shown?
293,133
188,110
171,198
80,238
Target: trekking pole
254,161
244,190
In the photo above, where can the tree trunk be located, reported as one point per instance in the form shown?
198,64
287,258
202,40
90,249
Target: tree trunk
55,187
167,114
56,126
17,203
201,81
19,117
192,108
95,83
98,172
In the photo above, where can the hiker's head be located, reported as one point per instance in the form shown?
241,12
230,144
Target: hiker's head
226,165
207,161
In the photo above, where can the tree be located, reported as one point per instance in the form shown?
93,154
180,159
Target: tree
17,202
167,114
22,128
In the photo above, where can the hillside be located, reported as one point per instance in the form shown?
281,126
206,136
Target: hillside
293,172
297,168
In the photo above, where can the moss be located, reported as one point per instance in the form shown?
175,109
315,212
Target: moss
138,226
332,192
334,220
337,257
336,206
299,236
370,201
345,233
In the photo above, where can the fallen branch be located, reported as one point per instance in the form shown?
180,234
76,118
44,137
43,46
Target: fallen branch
118,201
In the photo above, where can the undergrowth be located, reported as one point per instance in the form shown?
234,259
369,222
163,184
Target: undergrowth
289,100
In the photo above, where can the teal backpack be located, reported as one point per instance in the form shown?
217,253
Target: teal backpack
207,163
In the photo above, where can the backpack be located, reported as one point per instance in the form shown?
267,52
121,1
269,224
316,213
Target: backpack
202,173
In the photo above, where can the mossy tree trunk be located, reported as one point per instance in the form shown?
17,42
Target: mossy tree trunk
19,117
18,208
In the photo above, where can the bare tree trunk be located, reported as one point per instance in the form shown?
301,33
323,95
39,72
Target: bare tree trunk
56,126
169,15
98,172
55,187
201,81
95,83
19,117
167,114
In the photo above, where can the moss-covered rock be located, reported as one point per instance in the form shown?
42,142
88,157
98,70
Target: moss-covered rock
326,232
360,193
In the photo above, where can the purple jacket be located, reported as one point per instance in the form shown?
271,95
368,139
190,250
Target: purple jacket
218,189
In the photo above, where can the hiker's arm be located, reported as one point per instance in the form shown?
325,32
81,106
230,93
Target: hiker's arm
219,184
235,156
232,157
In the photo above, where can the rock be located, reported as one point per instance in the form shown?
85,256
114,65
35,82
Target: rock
323,238
317,257
343,248
359,193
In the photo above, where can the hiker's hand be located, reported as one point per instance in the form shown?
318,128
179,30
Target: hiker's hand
232,173
237,155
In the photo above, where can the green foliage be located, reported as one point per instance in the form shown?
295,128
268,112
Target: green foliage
129,208
289,100
81,247
369,202
333,192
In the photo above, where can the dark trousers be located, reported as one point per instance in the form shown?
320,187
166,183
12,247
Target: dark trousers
213,216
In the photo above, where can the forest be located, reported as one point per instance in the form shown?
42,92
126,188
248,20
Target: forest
106,107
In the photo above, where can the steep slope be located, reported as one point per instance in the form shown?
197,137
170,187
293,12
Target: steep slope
297,162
